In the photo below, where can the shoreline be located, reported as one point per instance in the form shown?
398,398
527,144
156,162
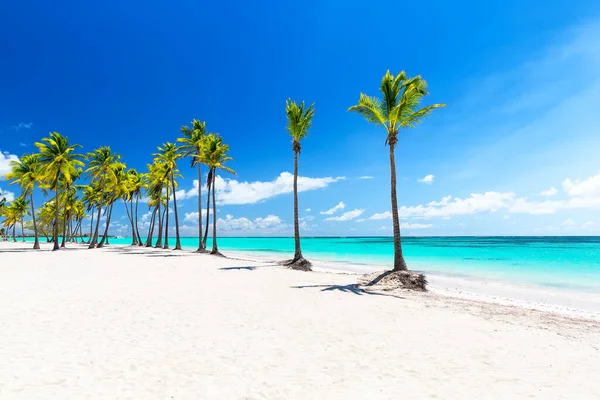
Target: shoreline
565,302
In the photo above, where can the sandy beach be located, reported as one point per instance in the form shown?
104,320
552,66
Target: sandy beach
136,323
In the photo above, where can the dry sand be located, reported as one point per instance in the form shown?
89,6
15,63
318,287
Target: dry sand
134,323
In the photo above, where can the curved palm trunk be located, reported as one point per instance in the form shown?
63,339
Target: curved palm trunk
22,231
14,234
166,246
130,217
215,249
36,243
160,221
55,236
64,235
91,227
399,263
94,239
297,250
201,246
177,238
209,185
105,236
137,228
151,228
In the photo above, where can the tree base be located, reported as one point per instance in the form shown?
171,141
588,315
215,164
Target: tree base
217,253
201,251
299,264
391,280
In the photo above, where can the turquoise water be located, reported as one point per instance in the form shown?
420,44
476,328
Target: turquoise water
561,262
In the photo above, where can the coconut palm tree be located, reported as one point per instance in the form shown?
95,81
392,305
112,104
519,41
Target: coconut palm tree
299,121
25,172
58,160
192,145
10,220
168,155
20,207
101,169
117,189
216,157
400,108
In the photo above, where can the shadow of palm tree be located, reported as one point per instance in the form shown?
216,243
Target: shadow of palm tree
353,288
246,268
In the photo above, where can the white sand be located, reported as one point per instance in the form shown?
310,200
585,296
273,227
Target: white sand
132,323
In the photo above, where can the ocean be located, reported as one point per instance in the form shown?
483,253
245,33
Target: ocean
555,262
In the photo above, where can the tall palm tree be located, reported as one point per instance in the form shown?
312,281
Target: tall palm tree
193,143
19,208
101,169
216,157
299,122
400,108
168,154
26,173
10,220
117,189
58,159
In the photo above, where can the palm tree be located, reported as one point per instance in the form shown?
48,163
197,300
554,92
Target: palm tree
58,160
216,157
193,143
101,169
168,155
117,189
399,109
26,173
10,220
299,122
20,207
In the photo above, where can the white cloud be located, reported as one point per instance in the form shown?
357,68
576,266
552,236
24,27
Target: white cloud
570,224
383,215
231,191
475,204
307,210
269,224
589,187
365,177
5,159
331,211
22,125
405,225
549,192
347,216
9,196
428,179
23,144
306,218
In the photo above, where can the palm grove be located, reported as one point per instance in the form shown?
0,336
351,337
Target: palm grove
81,186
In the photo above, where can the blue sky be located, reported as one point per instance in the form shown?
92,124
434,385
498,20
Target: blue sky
522,82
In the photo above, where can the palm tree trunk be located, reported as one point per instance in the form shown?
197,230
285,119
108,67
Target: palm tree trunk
95,237
22,231
151,228
137,228
55,238
14,230
177,238
399,263
91,227
36,243
166,246
201,247
209,185
297,251
129,216
160,226
215,249
64,235
105,236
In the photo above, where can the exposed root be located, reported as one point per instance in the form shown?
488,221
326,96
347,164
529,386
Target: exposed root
299,264
390,280
217,253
